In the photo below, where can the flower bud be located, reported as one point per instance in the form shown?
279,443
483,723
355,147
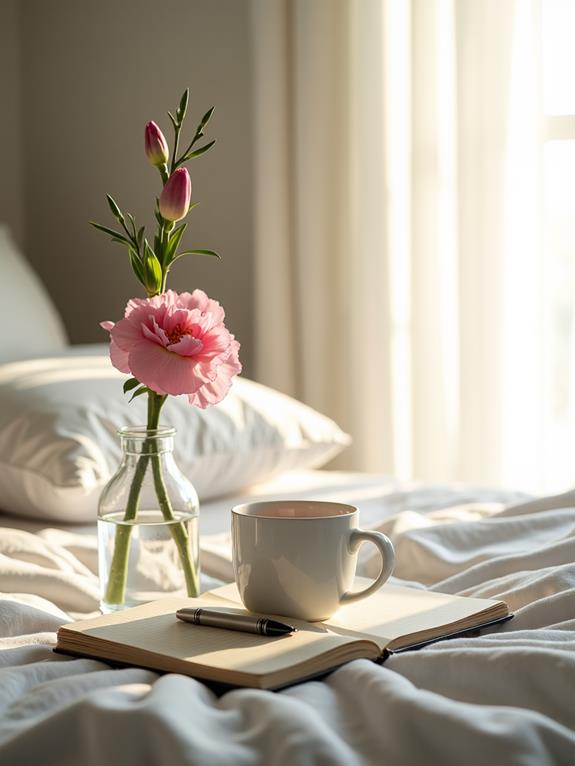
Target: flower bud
155,145
176,195
152,271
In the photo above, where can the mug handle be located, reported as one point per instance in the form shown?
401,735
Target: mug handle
387,551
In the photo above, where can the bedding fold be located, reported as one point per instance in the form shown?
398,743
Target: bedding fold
502,697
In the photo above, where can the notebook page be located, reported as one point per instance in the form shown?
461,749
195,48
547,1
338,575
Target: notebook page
155,628
394,611
170,604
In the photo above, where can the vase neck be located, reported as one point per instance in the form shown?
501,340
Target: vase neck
143,441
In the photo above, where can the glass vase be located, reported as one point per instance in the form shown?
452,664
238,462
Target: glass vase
148,544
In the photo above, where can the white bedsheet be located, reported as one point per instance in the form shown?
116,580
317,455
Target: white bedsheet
506,697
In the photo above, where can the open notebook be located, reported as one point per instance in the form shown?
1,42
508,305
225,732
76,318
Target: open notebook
392,619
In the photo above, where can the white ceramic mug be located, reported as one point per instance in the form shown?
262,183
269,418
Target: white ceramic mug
298,557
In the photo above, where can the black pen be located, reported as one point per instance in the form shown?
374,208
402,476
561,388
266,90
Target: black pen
214,618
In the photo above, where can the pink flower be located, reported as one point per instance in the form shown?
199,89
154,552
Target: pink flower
176,195
155,145
176,344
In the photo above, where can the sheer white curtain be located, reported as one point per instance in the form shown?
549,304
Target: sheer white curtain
397,227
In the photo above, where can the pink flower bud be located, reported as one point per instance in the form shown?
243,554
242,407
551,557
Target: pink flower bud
155,145
176,195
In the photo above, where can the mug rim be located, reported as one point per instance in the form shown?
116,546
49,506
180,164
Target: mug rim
239,510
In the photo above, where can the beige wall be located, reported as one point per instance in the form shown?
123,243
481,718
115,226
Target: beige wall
11,211
92,74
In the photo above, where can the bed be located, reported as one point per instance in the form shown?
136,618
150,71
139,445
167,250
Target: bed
503,697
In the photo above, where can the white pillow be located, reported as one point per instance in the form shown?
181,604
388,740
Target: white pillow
29,323
58,443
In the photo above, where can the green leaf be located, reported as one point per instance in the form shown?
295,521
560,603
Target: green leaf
140,237
116,212
174,243
136,264
159,218
200,129
115,234
204,121
133,224
178,231
130,384
193,205
198,252
152,270
139,392
181,111
173,119
198,152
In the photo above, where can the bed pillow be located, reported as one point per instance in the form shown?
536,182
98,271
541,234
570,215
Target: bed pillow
58,443
25,300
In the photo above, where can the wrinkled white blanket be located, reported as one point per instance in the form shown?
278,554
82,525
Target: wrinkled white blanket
506,697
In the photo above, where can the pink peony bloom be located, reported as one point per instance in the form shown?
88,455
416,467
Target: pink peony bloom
176,195
155,145
176,344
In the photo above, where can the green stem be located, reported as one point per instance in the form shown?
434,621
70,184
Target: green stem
164,239
178,531
165,230
118,573
176,142
198,134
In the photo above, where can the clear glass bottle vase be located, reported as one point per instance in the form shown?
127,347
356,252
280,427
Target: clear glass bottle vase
148,544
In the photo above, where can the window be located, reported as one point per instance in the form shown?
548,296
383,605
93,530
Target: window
558,271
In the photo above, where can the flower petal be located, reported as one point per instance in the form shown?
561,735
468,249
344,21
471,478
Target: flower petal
216,342
187,346
199,300
119,358
182,320
125,333
156,334
214,391
162,370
